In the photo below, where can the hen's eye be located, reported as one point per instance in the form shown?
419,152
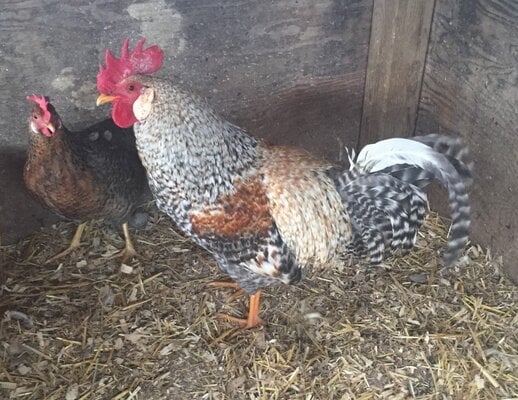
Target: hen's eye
35,116
131,88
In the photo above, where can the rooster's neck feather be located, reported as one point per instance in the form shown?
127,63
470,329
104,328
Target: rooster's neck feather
190,150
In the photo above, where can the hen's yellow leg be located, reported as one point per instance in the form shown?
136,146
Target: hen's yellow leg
253,320
74,244
128,252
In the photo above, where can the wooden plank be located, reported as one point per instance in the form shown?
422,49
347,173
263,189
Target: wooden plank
232,52
321,115
470,88
399,38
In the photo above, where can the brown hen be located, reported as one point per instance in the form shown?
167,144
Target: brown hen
83,175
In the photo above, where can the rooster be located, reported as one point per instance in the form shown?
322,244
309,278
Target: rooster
82,176
268,213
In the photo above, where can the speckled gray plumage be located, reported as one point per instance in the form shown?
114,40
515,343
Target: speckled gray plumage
201,169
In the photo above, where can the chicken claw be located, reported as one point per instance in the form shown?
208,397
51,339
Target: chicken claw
74,244
228,284
128,252
253,320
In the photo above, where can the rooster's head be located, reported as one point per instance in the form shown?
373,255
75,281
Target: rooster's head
116,81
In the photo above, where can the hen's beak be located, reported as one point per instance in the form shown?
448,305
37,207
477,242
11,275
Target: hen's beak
103,99
51,127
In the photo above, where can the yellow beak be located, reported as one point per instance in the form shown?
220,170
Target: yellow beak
51,127
104,98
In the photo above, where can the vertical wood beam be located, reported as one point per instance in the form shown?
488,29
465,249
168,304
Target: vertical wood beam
400,32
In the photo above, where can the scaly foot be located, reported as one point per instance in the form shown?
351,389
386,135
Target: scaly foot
253,320
227,284
128,252
74,244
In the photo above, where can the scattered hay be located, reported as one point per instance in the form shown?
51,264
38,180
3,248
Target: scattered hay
89,329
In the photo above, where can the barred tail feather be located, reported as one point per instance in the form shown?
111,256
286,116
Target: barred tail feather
418,161
386,213
455,151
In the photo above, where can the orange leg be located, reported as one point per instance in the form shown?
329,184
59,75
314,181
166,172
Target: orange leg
223,284
253,319
228,284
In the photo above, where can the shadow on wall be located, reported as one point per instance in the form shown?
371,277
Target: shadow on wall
321,116
19,213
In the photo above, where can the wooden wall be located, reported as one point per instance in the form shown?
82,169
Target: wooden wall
470,88
400,30
291,71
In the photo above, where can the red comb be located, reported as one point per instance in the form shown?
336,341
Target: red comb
136,62
42,102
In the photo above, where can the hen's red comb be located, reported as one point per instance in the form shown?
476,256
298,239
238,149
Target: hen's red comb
42,102
136,62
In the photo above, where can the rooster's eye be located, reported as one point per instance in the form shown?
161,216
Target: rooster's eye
131,88
35,116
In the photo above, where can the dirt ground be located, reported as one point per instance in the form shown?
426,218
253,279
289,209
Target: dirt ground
89,328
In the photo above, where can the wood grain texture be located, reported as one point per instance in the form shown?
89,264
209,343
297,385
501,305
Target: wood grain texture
250,59
232,52
398,44
470,88
321,115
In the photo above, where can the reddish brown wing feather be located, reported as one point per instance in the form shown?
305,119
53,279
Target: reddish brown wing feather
242,214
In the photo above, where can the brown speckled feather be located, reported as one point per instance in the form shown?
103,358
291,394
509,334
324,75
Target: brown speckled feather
305,204
52,176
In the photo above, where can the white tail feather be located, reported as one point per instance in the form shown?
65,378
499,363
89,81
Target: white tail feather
385,153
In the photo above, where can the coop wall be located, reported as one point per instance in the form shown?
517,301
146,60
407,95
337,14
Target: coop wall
319,74
290,71
470,88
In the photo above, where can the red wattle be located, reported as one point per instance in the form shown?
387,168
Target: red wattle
122,114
